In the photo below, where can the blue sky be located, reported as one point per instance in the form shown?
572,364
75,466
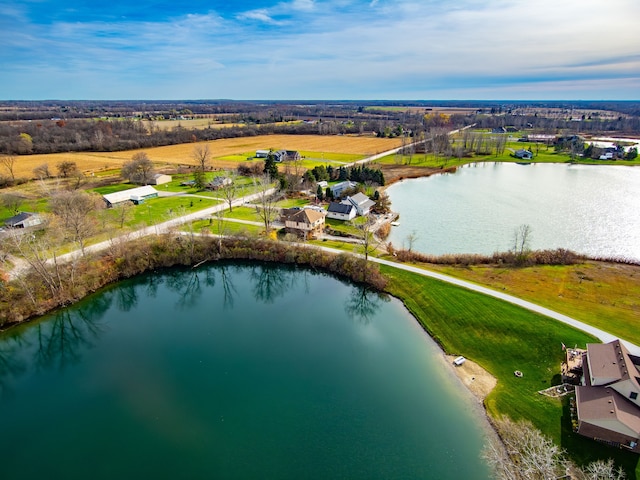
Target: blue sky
320,49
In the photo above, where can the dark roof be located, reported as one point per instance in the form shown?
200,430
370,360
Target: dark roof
335,207
21,217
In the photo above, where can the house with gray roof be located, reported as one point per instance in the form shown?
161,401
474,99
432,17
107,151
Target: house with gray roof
23,220
361,202
341,211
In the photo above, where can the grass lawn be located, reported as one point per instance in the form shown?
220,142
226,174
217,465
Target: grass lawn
293,202
503,338
228,228
158,210
349,228
117,187
243,213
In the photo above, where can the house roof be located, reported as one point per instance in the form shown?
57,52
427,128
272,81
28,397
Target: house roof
158,175
344,208
306,216
125,195
17,219
606,408
610,362
361,200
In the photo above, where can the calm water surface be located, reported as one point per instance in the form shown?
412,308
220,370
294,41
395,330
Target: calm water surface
233,372
593,210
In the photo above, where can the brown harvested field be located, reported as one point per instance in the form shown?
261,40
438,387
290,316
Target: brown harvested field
90,162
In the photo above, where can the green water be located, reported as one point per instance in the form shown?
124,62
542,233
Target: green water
233,372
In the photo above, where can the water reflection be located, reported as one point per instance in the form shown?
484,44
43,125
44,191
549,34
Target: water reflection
363,303
56,342
270,282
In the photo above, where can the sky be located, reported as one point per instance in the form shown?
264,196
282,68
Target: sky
320,49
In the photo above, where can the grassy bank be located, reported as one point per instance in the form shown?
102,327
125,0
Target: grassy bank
503,338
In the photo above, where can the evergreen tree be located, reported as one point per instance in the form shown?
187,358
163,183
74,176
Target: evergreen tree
319,193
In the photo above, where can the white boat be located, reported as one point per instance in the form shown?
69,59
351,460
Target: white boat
459,361
395,224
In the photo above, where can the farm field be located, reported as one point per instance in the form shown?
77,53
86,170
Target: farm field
94,162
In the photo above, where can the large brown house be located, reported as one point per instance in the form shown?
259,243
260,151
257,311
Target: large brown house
608,401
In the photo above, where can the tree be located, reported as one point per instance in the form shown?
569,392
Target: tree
267,201
74,211
199,180
521,241
201,154
632,154
67,168
9,161
319,193
270,167
229,190
383,203
525,454
12,202
139,169
42,171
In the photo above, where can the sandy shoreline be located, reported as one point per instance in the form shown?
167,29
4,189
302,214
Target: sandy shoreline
477,380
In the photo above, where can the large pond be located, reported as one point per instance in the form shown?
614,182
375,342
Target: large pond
593,210
233,372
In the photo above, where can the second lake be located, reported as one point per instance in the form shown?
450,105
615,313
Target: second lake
593,210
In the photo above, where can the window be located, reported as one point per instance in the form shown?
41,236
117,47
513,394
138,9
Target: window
633,395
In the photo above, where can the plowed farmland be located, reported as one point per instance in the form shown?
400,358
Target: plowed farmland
91,162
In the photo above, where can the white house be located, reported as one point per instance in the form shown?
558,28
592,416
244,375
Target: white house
338,188
262,153
361,202
135,195
341,211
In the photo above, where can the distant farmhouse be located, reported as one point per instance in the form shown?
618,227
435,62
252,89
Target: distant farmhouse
279,155
607,403
135,195
219,182
24,220
523,154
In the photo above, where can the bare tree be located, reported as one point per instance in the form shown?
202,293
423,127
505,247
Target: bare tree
74,210
267,201
42,171
229,189
8,161
123,211
522,240
202,155
525,454
139,169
